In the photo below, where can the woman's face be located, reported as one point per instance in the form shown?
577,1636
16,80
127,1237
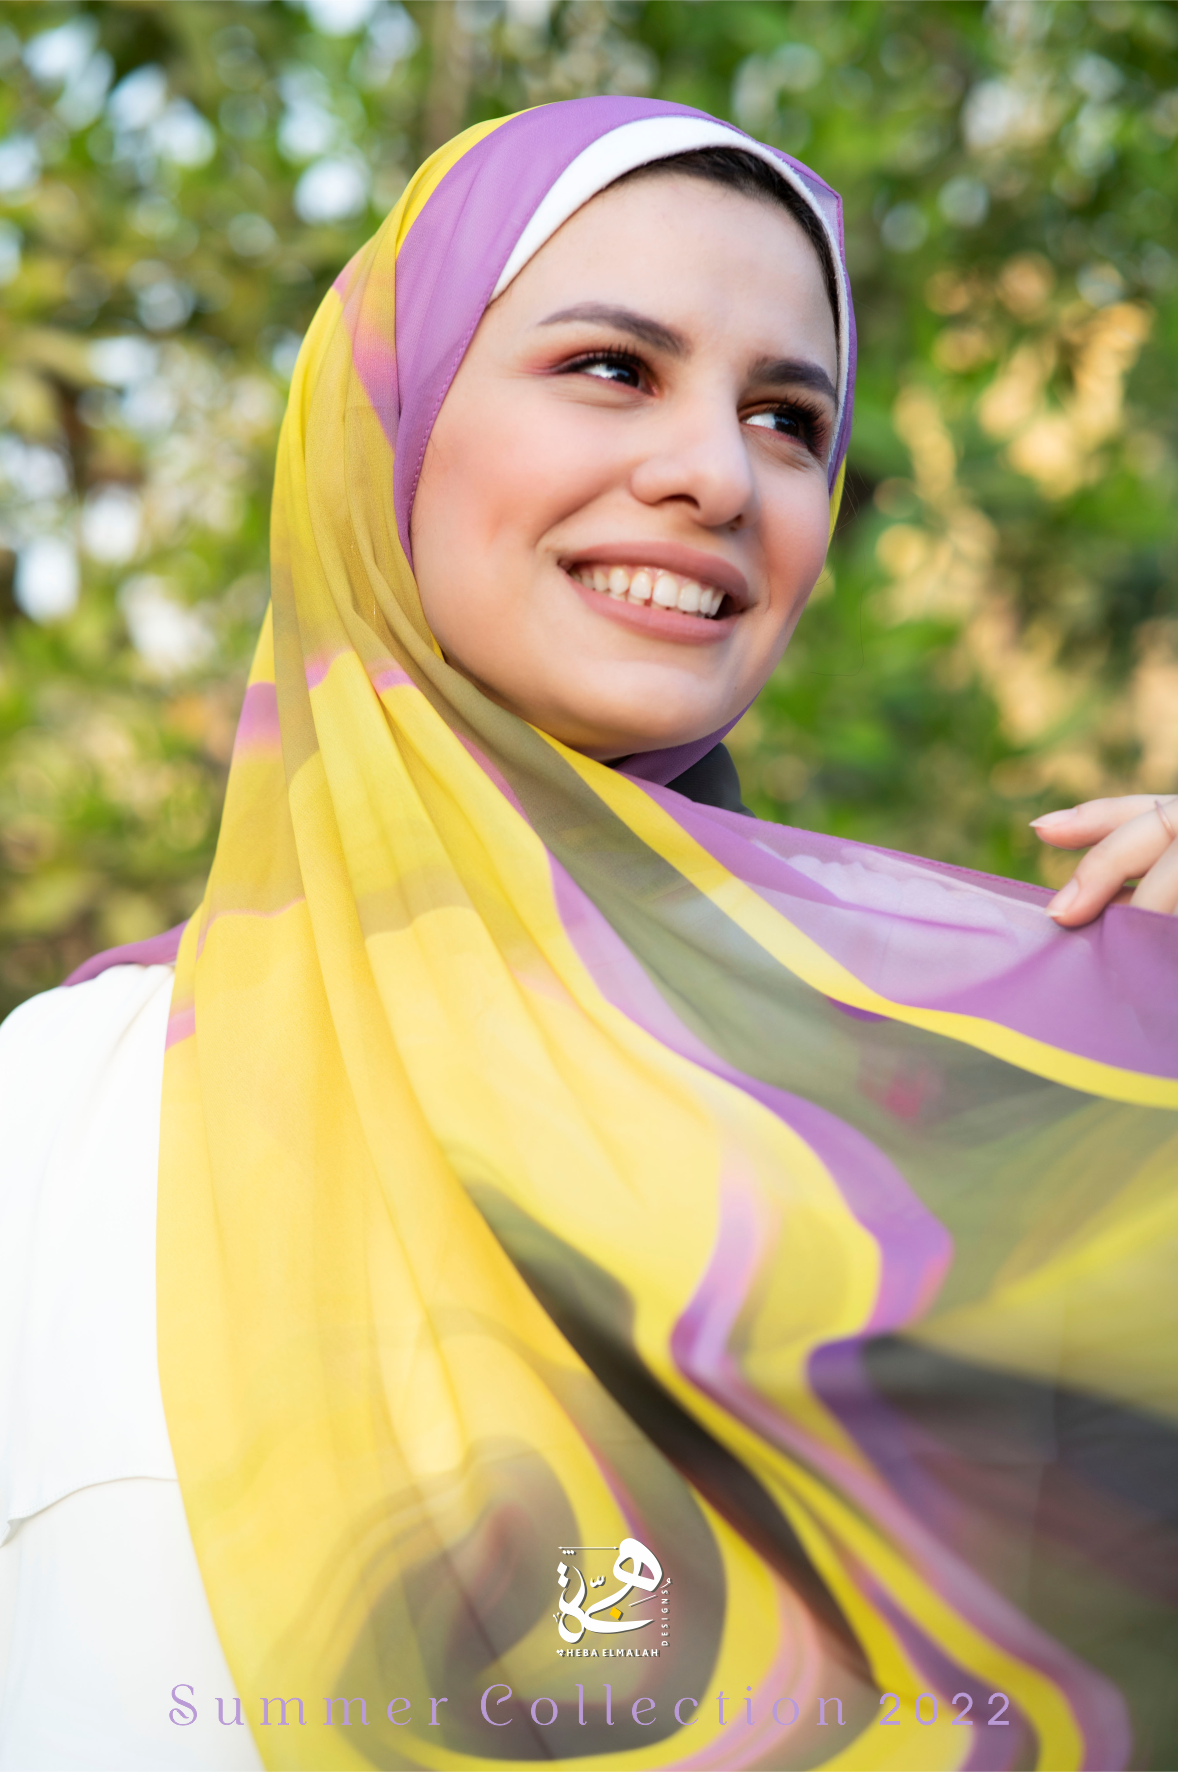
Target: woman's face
623,503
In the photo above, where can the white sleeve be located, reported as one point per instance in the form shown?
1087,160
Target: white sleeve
114,1660
81,1071
102,1610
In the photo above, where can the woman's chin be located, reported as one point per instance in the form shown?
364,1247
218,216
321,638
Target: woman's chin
609,746
606,716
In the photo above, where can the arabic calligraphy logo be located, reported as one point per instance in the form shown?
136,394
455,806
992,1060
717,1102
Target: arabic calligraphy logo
635,1567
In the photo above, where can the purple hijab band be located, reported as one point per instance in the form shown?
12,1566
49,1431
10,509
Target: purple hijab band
455,254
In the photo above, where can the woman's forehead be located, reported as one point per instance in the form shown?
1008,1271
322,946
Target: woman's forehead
682,253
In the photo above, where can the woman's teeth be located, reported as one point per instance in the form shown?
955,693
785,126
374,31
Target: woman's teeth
646,584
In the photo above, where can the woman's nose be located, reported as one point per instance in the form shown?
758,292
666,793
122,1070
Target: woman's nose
698,457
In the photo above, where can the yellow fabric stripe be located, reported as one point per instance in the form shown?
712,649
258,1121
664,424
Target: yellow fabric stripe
802,956
836,495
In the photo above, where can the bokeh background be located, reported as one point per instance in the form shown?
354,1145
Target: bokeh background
997,631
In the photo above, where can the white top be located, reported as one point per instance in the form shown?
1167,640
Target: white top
102,1609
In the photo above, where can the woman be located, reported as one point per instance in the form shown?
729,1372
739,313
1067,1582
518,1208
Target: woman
591,1225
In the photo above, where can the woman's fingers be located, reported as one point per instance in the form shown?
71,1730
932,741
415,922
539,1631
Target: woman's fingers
1078,827
1158,890
1134,848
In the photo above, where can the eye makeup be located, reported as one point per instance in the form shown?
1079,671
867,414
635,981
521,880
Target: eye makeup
801,420
622,363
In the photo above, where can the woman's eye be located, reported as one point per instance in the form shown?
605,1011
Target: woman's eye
802,424
787,421
619,370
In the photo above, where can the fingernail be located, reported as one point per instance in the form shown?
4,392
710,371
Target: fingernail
1049,817
1064,898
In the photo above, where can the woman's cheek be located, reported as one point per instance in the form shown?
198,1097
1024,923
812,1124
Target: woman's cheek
797,547
557,458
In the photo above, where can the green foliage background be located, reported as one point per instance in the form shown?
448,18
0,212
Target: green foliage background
998,628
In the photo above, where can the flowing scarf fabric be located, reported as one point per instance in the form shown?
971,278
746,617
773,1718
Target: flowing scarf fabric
549,1161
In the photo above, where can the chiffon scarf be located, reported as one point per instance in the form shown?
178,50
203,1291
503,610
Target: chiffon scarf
564,1184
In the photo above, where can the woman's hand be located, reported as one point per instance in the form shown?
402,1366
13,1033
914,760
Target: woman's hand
1133,838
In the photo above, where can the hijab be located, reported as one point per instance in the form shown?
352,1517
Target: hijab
570,1193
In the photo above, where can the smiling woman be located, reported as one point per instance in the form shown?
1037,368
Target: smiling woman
641,473
553,1162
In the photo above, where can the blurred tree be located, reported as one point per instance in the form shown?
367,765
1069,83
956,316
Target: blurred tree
998,627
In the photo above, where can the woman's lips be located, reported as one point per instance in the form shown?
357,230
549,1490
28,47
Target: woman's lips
689,564
648,584
651,619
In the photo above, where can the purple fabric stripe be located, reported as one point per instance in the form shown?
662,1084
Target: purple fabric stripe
391,677
258,725
157,950
365,288
794,1673
317,668
663,766
935,936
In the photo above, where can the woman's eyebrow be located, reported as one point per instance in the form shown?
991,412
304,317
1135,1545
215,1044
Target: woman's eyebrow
665,338
640,326
796,370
